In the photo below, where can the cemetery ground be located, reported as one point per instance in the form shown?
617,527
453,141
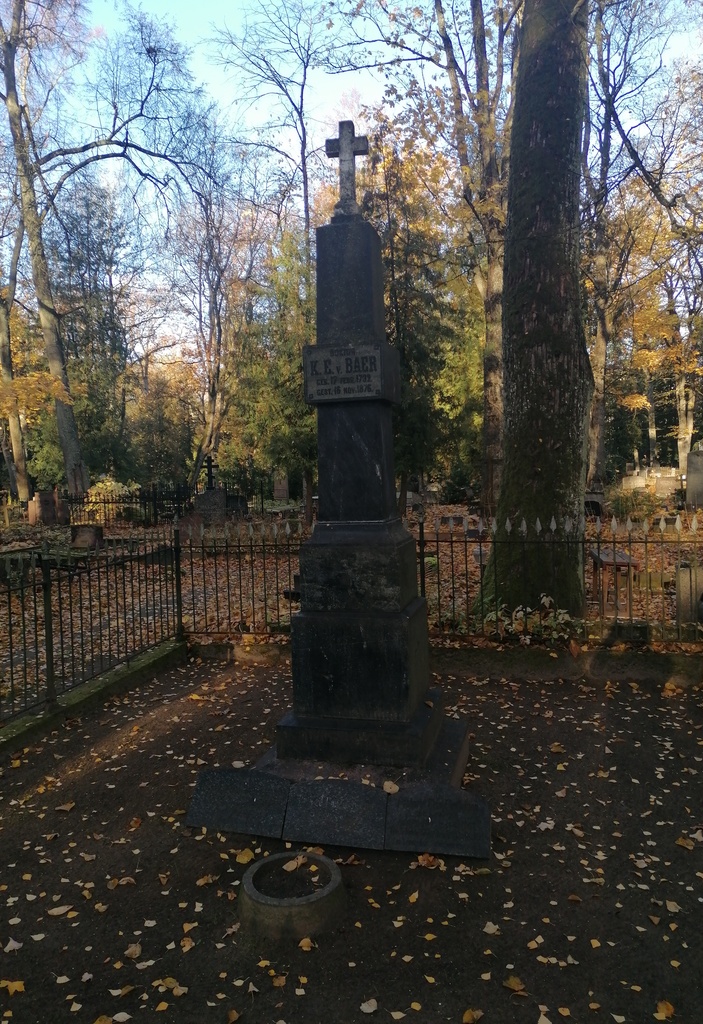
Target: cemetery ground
589,908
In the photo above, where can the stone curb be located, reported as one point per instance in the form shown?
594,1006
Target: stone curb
18,731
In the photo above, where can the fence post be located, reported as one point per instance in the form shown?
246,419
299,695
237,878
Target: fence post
154,505
421,542
48,626
177,571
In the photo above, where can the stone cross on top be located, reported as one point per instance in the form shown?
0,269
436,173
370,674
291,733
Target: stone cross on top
347,147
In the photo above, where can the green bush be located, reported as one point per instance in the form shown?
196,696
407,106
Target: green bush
638,505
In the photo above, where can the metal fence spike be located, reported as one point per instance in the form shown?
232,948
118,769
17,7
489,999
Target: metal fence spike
662,524
523,527
538,526
553,524
494,525
678,526
645,526
568,524
508,526
613,526
599,525
694,523
628,525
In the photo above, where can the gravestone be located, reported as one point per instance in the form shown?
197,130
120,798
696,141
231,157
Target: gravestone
694,480
280,487
211,503
359,645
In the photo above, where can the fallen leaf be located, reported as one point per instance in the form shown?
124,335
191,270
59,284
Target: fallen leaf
471,1016
306,944
595,943
207,880
13,945
664,1010
390,787
133,951
687,844
58,911
186,943
370,1006
232,1016
295,863
397,1014
66,807
162,1006
491,929
244,856
672,907
12,986
514,984
412,898
416,1006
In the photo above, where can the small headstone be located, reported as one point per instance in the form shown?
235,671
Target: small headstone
212,506
280,487
694,480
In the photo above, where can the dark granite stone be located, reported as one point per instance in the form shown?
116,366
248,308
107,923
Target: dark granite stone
360,665
356,480
355,741
438,819
349,284
239,800
336,812
362,567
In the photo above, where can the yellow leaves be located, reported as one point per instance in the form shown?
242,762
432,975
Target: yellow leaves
188,926
429,936
12,986
595,944
279,980
306,944
564,1011
672,907
390,787
416,1006
133,951
413,897
516,986
232,1017
687,844
471,1016
66,807
162,1006
397,1014
207,880
491,929
429,979
244,856
59,911
664,1010
295,863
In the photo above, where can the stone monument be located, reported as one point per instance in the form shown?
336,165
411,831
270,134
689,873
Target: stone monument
359,645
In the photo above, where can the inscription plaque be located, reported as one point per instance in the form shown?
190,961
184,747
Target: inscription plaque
343,373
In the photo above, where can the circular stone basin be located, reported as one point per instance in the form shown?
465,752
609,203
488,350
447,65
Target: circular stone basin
291,904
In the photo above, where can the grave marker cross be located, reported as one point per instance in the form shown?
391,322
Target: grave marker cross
347,147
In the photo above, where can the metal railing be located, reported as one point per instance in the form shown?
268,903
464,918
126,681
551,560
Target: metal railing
68,615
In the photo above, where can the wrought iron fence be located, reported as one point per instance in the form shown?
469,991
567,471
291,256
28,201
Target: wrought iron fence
640,582
69,615
66,615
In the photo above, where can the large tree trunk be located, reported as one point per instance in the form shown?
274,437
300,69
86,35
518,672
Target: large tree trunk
595,477
493,378
685,402
18,472
76,471
547,374
652,423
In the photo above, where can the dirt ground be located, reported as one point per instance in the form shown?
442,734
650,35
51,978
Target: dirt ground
590,908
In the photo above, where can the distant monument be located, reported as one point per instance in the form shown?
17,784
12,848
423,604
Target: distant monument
359,645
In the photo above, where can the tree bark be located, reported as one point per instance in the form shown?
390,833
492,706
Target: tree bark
18,473
685,402
548,381
77,477
595,477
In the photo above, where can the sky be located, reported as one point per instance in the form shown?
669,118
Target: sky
330,97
